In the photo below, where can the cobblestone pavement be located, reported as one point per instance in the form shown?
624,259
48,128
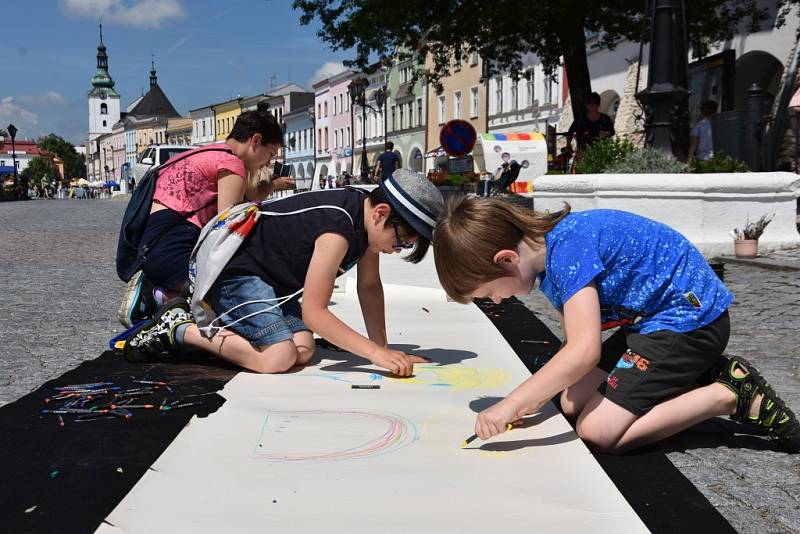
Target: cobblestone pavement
59,295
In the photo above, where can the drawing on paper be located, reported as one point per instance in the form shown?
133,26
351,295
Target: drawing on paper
338,376
456,376
329,436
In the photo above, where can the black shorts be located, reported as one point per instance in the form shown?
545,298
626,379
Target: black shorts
646,369
167,263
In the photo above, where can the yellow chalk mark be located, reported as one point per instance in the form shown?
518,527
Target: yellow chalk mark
456,376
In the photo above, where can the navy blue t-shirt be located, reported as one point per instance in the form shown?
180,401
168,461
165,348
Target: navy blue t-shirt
644,271
389,163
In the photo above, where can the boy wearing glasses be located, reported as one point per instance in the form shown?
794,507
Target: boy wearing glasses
310,239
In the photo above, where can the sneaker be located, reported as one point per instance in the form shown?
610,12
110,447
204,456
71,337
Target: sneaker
157,337
138,302
773,414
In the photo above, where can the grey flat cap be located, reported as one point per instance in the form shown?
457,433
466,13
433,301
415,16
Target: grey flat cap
415,198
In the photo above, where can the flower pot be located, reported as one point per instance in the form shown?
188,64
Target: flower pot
745,248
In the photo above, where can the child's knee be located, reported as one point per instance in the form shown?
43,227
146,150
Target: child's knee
569,407
304,353
597,438
276,358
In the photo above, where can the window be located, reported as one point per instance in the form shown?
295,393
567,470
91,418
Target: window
394,125
419,112
442,109
548,89
103,109
411,114
335,136
514,94
104,123
457,61
457,105
341,103
402,120
326,137
319,137
530,87
319,110
326,109
473,102
359,128
348,136
473,58
498,95
204,128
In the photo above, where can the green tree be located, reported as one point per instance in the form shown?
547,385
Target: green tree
504,30
36,169
74,164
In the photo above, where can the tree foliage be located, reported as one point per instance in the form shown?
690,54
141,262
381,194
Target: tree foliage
74,164
503,31
37,168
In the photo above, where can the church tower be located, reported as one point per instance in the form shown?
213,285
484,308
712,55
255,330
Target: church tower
103,99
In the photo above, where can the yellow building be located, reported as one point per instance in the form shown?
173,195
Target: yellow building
225,114
463,97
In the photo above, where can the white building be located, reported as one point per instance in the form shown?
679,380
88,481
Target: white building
104,111
203,132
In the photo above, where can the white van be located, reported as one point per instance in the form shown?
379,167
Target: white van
155,155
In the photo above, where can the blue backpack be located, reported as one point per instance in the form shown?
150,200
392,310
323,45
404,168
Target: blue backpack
131,252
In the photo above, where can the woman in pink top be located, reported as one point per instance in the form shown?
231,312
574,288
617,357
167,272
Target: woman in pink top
192,191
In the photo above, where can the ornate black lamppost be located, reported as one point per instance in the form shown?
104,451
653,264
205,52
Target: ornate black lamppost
357,90
12,131
380,97
665,99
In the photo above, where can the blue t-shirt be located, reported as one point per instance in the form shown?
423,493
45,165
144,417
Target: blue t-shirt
644,271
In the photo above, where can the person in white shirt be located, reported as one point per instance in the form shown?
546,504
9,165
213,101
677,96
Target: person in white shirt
702,141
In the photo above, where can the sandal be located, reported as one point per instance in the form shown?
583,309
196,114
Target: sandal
773,414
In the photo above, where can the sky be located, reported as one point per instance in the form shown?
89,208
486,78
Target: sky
206,51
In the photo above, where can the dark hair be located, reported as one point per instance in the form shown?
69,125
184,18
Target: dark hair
594,98
389,145
377,196
708,107
258,121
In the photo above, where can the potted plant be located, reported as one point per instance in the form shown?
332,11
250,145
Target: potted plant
745,241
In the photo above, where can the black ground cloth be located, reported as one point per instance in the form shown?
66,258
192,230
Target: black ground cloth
662,497
74,476
71,478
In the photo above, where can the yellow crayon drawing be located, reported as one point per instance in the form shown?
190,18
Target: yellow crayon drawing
456,376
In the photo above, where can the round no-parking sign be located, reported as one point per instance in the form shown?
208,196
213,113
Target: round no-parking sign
458,137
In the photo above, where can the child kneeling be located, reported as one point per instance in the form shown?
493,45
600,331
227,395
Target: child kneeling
301,244
660,373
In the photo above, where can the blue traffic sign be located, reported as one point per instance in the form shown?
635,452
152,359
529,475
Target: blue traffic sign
458,137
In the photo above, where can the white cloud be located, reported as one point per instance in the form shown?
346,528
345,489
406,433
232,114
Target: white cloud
331,68
50,99
138,13
20,117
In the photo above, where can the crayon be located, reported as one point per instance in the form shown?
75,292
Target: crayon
129,406
61,421
473,437
542,342
365,386
178,406
151,382
68,411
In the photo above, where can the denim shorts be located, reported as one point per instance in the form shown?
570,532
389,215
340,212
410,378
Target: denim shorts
262,329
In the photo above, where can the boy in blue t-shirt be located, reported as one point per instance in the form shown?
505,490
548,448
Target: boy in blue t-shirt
661,372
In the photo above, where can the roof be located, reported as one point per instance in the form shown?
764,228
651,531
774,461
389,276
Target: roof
154,104
26,147
284,89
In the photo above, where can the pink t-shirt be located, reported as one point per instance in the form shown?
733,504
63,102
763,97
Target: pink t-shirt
192,182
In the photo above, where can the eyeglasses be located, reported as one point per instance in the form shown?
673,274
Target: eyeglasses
399,245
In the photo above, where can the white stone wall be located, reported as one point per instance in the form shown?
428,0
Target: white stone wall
703,207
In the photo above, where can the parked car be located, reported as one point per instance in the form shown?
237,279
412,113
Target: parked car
155,155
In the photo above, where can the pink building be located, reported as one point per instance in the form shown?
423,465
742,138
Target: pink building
322,123
341,123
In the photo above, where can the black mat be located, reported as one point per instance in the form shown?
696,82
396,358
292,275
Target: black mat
69,479
665,500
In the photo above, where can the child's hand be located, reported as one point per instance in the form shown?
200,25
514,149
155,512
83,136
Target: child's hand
495,419
396,361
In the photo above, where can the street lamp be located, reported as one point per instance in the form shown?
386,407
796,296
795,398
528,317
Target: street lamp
357,90
12,131
380,97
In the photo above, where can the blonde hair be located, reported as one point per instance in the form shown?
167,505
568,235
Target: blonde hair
471,231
